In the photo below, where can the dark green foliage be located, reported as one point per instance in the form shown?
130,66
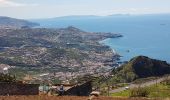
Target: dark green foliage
146,67
141,67
7,78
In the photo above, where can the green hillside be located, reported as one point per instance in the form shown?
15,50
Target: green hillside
141,67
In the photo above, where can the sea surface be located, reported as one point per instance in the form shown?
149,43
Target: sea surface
147,35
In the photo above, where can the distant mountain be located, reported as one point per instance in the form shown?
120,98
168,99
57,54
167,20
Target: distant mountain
142,67
86,21
7,22
78,17
67,17
58,21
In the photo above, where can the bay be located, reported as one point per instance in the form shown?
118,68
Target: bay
147,35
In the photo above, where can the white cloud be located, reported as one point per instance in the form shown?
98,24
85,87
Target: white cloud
8,3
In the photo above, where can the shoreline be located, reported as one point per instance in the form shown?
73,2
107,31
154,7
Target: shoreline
116,57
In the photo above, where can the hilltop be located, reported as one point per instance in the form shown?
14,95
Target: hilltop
142,67
7,22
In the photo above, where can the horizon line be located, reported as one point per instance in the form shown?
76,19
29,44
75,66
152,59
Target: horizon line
128,14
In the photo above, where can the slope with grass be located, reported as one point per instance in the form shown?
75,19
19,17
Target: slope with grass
160,90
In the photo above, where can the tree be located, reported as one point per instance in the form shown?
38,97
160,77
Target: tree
7,78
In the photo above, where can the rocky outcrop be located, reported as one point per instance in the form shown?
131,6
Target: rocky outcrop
146,67
142,67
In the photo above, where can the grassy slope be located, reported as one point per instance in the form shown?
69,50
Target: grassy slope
159,90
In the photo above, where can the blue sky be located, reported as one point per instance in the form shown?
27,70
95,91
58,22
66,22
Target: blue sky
55,8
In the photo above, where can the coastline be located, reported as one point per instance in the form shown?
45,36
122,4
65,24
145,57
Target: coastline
115,55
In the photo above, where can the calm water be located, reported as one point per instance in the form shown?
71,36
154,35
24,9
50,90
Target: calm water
147,35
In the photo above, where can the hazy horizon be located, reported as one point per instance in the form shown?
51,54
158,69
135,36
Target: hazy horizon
57,8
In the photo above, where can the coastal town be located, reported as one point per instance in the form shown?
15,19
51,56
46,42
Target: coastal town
38,54
47,63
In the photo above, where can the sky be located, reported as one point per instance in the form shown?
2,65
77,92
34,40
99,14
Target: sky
28,9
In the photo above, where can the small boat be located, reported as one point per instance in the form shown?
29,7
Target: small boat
127,50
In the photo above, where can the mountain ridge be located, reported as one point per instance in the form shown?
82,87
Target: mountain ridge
8,22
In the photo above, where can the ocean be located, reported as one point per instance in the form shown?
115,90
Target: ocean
147,35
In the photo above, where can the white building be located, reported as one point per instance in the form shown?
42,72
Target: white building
4,68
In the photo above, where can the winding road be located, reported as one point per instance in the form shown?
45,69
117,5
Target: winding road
149,83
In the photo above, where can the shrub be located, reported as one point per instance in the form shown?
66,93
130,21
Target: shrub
139,92
166,82
7,78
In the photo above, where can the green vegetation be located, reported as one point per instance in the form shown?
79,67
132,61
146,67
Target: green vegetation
143,80
140,67
139,92
129,73
121,94
161,90
7,78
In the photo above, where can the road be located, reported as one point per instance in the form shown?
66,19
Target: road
141,85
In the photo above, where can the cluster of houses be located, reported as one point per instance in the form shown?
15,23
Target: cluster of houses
22,88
